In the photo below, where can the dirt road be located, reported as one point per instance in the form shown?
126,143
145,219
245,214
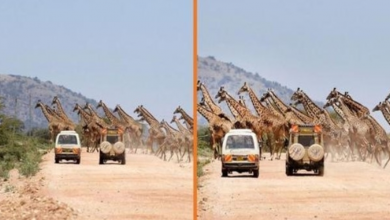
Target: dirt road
145,188
348,190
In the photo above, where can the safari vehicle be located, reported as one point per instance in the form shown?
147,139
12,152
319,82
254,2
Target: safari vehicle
67,147
305,149
112,146
240,152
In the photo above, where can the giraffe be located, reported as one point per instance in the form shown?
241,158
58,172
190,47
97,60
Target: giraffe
383,107
155,133
332,132
207,98
278,126
188,126
55,124
116,122
62,113
189,138
185,116
218,127
174,140
95,117
258,125
91,130
274,109
355,106
135,127
354,127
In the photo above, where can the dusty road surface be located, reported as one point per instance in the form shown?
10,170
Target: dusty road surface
348,190
145,188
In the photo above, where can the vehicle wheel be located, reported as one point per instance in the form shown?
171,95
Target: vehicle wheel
224,173
100,158
256,173
78,161
123,159
321,171
289,171
57,161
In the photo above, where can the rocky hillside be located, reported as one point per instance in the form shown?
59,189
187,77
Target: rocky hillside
214,74
20,95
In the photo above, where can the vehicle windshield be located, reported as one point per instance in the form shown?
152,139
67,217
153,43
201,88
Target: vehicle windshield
67,139
112,139
240,142
306,140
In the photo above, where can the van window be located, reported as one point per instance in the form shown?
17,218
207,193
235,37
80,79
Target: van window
240,142
67,139
306,140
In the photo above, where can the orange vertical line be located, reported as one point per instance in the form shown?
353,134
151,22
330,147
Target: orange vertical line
195,99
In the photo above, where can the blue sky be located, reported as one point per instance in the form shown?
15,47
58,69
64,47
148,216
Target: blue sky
123,52
314,45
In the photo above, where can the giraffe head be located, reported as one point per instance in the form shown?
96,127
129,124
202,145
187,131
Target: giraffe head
244,88
162,123
265,96
138,110
173,119
332,94
222,94
379,107
329,103
100,104
55,100
178,110
39,103
116,108
387,97
297,95
76,107
181,117
198,85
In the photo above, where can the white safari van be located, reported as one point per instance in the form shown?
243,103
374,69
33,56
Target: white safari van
67,146
240,152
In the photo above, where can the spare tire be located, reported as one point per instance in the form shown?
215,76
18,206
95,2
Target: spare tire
316,152
119,147
105,147
296,151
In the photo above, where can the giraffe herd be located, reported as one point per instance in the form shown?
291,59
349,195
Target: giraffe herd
353,135
93,126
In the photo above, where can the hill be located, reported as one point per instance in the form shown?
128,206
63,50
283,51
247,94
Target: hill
214,74
20,95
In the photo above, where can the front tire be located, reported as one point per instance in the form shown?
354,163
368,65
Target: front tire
224,173
321,171
256,173
56,161
123,159
289,170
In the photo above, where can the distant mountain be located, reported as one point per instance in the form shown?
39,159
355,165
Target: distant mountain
214,74
20,95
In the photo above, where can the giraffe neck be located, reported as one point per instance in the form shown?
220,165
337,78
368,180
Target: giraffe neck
259,107
86,117
339,112
386,114
244,112
311,108
208,115
61,110
180,126
110,116
125,116
173,130
186,117
149,118
355,106
209,101
272,109
48,117
301,116
377,127
233,111
278,102
189,128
